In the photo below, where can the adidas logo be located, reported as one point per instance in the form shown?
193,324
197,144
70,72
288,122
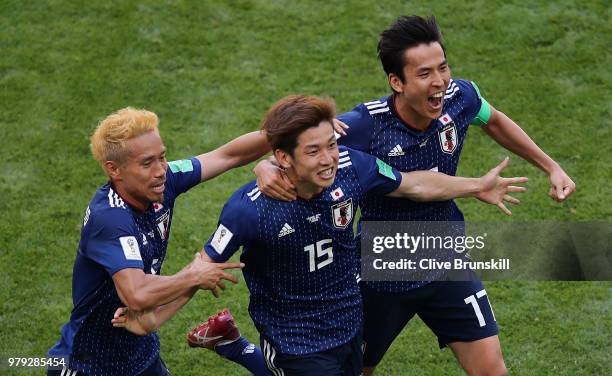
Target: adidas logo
396,151
286,230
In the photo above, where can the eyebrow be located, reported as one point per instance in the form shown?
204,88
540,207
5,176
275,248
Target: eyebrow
425,69
151,156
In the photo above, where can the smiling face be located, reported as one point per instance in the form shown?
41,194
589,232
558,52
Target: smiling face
420,96
313,165
141,177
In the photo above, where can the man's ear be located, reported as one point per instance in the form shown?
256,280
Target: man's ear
396,83
283,158
113,170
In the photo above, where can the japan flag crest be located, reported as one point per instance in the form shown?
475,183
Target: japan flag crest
448,134
337,194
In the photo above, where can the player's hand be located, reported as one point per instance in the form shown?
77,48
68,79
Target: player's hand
211,275
273,182
561,186
340,127
494,188
140,323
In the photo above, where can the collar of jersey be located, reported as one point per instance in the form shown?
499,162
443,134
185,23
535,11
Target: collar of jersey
129,203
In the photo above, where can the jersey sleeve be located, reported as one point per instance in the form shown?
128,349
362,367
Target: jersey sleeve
375,176
113,241
236,227
183,175
359,134
478,109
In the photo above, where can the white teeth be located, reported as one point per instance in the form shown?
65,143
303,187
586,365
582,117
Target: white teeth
438,95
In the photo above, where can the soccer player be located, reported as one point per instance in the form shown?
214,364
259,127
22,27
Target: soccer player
301,258
422,126
124,236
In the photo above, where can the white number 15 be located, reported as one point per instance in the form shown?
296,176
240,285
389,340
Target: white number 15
321,251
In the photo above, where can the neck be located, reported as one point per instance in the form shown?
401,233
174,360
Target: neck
125,196
409,116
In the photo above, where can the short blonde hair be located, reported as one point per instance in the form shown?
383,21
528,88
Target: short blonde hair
108,141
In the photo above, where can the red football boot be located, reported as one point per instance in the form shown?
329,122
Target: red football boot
219,328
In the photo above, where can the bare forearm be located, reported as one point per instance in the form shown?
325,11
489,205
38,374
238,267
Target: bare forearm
142,292
435,186
248,148
238,152
512,137
167,311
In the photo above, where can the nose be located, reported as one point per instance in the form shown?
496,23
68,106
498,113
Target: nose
327,158
438,79
160,169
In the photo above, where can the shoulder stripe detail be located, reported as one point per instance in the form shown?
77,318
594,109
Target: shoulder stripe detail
344,159
343,153
451,85
378,111
255,190
343,165
451,90
452,93
114,201
254,194
378,105
371,103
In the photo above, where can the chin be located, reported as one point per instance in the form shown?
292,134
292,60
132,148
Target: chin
326,183
156,197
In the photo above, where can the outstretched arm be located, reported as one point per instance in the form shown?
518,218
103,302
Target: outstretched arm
238,152
509,135
434,186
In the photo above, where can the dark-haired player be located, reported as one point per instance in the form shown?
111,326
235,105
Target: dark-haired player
421,126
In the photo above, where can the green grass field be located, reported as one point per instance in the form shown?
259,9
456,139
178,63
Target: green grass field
210,71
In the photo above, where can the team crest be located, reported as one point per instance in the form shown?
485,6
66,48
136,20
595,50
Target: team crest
448,134
343,213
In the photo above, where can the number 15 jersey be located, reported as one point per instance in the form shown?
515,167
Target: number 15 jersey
301,258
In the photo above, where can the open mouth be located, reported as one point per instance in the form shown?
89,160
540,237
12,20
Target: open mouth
327,173
435,100
159,188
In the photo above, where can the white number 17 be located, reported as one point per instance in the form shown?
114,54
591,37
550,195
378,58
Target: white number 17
472,300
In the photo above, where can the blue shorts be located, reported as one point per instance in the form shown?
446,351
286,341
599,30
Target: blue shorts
454,311
344,360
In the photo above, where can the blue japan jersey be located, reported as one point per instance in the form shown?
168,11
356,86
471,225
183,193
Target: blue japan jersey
376,129
116,236
301,258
